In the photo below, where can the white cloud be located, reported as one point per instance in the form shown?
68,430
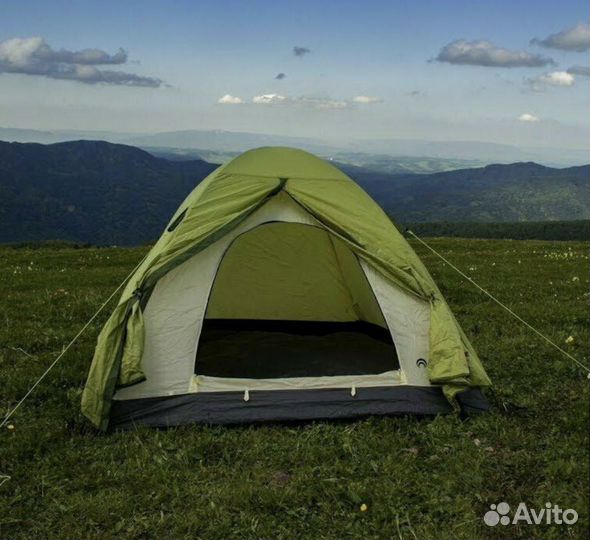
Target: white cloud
576,38
366,99
484,53
313,101
322,103
34,56
35,50
558,78
269,99
527,117
228,99
305,101
553,78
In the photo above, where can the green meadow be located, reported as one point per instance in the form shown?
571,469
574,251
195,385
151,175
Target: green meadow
379,477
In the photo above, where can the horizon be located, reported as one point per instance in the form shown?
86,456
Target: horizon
469,154
265,133
330,72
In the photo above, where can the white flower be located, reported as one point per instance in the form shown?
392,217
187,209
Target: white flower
570,339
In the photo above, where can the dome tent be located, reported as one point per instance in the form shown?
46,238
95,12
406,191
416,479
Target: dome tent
279,290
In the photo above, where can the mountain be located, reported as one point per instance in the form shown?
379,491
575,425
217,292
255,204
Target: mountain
370,162
63,135
211,140
495,193
482,151
393,155
227,141
90,191
220,146
103,193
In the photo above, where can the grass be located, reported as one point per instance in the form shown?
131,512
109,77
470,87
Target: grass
420,478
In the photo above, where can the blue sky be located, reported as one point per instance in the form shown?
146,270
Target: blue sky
372,70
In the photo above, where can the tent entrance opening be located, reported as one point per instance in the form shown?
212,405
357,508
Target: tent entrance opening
291,300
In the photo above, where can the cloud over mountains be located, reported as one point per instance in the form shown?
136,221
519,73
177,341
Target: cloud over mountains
576,38
228,99
34,56
484,53
553,78
306,101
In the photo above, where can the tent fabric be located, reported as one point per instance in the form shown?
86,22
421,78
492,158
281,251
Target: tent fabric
220,204
207,383
227,407
316,276
175,314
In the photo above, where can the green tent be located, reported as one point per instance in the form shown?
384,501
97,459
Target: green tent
279,290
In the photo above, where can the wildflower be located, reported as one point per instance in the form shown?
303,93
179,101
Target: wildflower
575,278
570,339
10,427
364,507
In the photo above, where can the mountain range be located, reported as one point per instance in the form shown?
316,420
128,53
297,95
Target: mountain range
104,193
494,193
90,191
415,155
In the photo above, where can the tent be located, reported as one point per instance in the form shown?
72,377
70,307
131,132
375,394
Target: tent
279,291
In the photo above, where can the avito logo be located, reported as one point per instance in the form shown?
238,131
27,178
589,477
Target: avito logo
551,514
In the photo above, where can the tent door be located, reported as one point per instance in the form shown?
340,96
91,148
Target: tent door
291,300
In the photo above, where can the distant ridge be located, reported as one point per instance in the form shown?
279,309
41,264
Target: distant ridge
104,193
90,191
347,149
523,191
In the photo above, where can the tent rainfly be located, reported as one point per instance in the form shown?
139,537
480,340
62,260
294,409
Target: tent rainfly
279,291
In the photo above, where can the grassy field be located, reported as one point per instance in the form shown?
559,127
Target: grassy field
419,478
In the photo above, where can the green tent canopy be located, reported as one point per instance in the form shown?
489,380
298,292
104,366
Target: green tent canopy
279,290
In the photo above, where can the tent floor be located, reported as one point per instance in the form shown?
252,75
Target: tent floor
288,405
272,349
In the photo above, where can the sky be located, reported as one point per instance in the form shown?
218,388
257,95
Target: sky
500,71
